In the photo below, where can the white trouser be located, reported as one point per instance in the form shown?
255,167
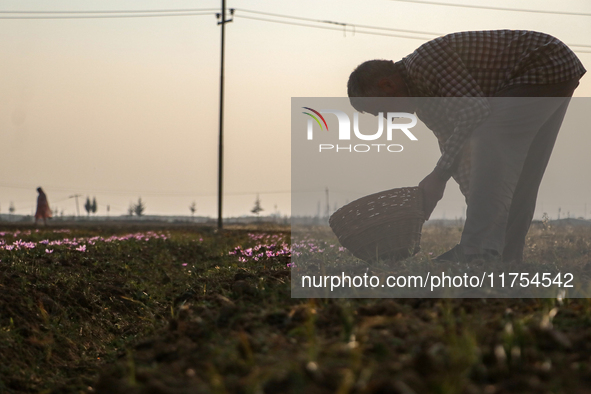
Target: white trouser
509,154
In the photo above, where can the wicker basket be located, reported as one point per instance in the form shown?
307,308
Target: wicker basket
385,225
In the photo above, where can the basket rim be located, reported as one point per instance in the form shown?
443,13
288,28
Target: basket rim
361,232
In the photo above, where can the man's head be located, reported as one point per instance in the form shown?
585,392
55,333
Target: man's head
377,78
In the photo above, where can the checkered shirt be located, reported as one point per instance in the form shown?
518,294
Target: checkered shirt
476,65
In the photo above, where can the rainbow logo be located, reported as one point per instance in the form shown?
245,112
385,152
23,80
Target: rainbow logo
315,118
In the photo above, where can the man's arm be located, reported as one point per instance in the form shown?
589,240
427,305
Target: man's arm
432,187
466,113
438,71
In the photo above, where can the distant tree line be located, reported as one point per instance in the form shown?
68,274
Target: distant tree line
90,207
136,209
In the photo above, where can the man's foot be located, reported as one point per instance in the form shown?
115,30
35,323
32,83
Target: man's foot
457,255
512,256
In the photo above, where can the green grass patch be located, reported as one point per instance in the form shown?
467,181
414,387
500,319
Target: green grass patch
188,310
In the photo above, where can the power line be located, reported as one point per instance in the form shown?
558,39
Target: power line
107,16
190,12
326,27
110,11
344,24
209,11
370,32
338,23
495,8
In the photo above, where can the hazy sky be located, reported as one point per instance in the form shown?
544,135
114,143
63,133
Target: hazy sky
128,107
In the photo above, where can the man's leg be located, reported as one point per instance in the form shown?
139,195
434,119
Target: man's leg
500,147
526,192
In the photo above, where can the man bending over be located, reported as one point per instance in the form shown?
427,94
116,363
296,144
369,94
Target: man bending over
496,149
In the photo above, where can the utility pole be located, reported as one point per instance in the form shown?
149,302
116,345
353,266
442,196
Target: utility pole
77,206
223,21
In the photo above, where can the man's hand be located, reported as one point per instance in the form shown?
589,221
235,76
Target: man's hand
433,187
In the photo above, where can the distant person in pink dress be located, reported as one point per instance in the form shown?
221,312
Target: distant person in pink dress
43,211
